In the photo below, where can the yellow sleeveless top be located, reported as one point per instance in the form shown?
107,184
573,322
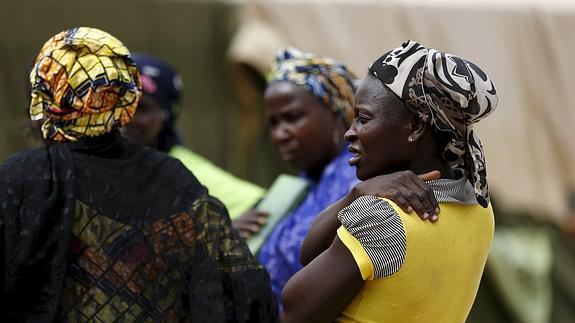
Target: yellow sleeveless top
414,270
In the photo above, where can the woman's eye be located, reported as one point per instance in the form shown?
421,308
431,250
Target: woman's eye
292,116
272,122
361,118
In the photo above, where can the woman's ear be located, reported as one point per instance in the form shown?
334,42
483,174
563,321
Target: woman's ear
418,127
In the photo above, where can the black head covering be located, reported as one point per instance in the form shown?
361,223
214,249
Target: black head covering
161,81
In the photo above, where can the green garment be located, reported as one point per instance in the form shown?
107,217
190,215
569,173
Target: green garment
236,194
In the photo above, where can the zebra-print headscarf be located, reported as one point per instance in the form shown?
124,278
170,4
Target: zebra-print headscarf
448,92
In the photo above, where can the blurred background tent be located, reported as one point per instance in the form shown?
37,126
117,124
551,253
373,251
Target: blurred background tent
193,36
527,47
222,49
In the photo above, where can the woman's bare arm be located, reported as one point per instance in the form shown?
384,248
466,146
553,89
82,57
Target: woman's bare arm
324,288
406,189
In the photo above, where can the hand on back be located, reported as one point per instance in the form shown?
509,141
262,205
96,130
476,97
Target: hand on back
408,190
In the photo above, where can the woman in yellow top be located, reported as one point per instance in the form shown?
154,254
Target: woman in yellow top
414,113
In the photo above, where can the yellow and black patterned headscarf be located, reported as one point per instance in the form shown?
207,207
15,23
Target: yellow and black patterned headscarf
84,83
327,79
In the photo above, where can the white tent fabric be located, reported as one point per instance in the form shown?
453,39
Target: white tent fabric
527,48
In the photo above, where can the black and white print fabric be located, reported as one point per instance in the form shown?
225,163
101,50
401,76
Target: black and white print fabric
453,191
448,92
375,224
378,228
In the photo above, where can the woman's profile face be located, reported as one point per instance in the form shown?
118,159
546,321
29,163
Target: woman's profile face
147,123
378,135
300,126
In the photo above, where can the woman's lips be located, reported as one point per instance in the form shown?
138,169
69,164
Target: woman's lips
354,160
288,154
355,156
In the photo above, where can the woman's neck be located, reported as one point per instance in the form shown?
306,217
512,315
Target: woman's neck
427,159
440,165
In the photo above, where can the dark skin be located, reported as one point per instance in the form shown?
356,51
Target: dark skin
406,189
145,128
250,222
380,140
147,123
383,162
303,130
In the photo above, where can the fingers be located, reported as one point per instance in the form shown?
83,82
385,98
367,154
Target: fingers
254,216
401,201
427,198
247,230
414,190
250,223
407,190
415,202
403,188
430,176
261,217
251,227
420,196
245,234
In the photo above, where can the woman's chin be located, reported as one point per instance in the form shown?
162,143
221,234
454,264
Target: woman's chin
360,174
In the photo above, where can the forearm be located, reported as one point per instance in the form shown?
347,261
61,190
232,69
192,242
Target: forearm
323,230
312,296
404,188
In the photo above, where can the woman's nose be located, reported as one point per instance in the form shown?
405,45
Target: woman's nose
350,134
280,133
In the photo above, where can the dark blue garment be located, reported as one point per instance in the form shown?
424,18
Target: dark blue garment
281,252
162,82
